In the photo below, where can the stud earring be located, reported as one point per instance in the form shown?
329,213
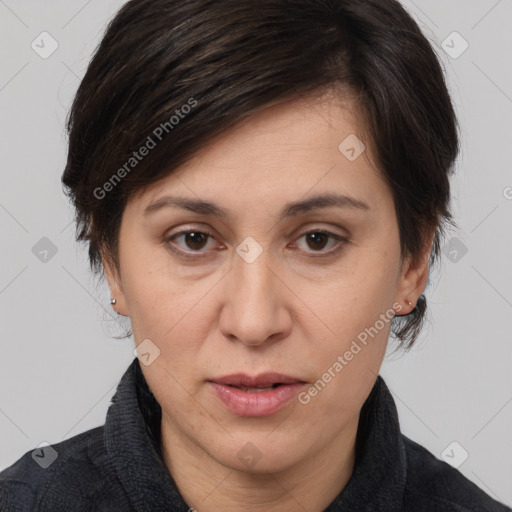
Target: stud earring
113,302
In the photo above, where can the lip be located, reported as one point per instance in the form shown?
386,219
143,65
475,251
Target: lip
256,403
262,380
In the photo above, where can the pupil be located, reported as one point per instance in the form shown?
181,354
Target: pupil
197,236
314,237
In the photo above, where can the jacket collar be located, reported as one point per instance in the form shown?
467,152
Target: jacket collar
132,440
380,472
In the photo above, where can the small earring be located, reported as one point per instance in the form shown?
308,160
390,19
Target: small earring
113,301
409,303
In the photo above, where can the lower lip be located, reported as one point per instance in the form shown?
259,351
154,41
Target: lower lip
256,403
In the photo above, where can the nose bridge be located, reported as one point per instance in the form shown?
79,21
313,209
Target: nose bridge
252,270
253,305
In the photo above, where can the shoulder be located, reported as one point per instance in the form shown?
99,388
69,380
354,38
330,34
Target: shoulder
69,472
434,485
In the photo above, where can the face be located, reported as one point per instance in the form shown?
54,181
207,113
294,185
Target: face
305,293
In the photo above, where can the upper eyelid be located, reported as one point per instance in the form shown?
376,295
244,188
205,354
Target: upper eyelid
337,237
211,233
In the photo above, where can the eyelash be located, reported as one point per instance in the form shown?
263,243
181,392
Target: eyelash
342,241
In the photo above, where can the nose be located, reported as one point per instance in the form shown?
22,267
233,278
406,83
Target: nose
255,310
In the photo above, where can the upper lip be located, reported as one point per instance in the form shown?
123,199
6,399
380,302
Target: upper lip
261,380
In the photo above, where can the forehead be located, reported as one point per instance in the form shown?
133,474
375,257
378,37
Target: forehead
283,152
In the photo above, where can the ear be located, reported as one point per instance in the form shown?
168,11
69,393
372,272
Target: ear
414,277
115,285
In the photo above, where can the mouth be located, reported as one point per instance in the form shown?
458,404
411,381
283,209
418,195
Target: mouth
256,389
260,395
263,380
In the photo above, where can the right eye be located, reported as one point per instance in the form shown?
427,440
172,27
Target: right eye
195,240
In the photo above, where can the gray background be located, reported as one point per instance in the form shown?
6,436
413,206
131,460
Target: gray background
59,365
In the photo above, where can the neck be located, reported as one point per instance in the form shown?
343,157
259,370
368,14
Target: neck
310,484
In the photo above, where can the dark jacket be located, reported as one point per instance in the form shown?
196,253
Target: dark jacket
119,467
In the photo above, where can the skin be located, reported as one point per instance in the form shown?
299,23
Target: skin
287,311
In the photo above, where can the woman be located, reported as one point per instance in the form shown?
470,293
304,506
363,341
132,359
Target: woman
265,186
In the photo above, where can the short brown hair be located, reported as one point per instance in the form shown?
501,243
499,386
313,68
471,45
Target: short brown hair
226,59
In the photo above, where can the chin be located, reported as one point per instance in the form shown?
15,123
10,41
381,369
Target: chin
256,454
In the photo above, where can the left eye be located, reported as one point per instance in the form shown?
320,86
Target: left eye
196,240
318,238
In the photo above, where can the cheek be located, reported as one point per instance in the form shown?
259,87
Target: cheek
158,300
349,363
177,319
357,311
358,297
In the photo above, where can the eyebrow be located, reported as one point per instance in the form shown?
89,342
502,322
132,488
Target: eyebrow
327,200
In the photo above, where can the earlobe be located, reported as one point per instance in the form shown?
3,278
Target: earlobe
116,292
414,279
